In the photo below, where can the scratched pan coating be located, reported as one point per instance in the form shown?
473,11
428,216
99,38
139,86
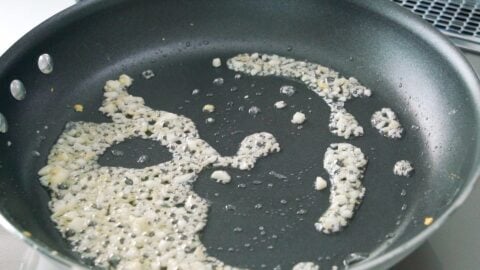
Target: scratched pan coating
409,67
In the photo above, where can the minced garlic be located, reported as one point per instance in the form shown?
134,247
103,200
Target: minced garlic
147,218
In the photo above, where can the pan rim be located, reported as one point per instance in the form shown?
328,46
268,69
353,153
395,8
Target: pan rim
387,9
443,45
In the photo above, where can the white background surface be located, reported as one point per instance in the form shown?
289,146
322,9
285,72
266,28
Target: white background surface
455,246
17,17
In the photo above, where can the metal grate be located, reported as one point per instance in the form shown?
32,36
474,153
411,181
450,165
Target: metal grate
460,19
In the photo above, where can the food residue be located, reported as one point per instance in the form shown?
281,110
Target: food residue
280,104
428,221
403,168
137,218
344,124
345,164
195,92
298,118
208,108
324,82
320,183
78,107
305,266
386,122
216,62
221,176
287,90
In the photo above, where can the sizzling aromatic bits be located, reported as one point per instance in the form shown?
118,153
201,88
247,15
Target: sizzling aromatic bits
78,107
345,164
103,210
114,215
221,176
320,183
403,168
287,90
298,118
386,122
208,108
216,62
428,221
280,104
324,82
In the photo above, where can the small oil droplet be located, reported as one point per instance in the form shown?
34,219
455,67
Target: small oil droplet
301,211
142,159
277,175
287,90
254,110
230,207
218,81
209,120
117,153
148,74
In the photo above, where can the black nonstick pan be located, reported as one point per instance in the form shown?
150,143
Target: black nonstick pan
407,64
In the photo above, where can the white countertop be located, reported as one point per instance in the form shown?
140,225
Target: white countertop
455,246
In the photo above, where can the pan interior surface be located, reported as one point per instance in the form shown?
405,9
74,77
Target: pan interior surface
404,73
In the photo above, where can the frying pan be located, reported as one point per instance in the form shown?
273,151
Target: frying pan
408,65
